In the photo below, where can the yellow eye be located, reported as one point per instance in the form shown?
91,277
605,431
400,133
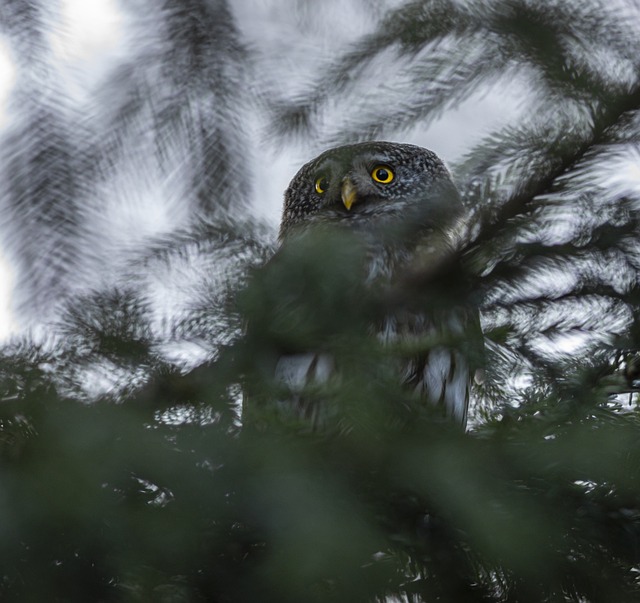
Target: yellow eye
321,185
382,174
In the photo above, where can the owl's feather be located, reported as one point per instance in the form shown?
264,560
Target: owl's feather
404,216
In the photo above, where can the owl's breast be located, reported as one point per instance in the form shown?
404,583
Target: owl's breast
384,262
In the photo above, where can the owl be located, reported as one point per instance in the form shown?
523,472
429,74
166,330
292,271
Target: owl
400,201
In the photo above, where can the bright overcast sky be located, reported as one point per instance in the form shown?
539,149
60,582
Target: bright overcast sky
91,37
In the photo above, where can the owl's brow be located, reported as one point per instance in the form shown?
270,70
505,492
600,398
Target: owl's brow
318,173
381,158
324,168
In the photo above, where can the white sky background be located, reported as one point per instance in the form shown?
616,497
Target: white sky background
302,39
7,76
93,37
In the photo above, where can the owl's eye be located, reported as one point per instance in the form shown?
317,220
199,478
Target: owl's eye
321,185
382,174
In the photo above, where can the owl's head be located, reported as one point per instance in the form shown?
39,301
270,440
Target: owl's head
371,186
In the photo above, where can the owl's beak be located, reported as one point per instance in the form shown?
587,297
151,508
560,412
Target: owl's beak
348,193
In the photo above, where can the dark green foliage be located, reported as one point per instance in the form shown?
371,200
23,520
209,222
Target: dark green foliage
130,503
165,498
161,489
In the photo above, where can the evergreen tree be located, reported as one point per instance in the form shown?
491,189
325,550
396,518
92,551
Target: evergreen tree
159,490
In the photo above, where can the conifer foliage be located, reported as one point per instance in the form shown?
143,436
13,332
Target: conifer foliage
128,471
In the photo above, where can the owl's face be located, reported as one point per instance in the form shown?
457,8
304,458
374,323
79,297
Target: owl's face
369,186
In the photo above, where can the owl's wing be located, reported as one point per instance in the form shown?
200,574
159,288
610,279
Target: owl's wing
296,371
446,380
444,374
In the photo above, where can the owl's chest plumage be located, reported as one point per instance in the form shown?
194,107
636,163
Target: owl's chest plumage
397,200
435,372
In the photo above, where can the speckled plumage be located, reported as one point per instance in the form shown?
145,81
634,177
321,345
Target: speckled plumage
402,220
422,187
